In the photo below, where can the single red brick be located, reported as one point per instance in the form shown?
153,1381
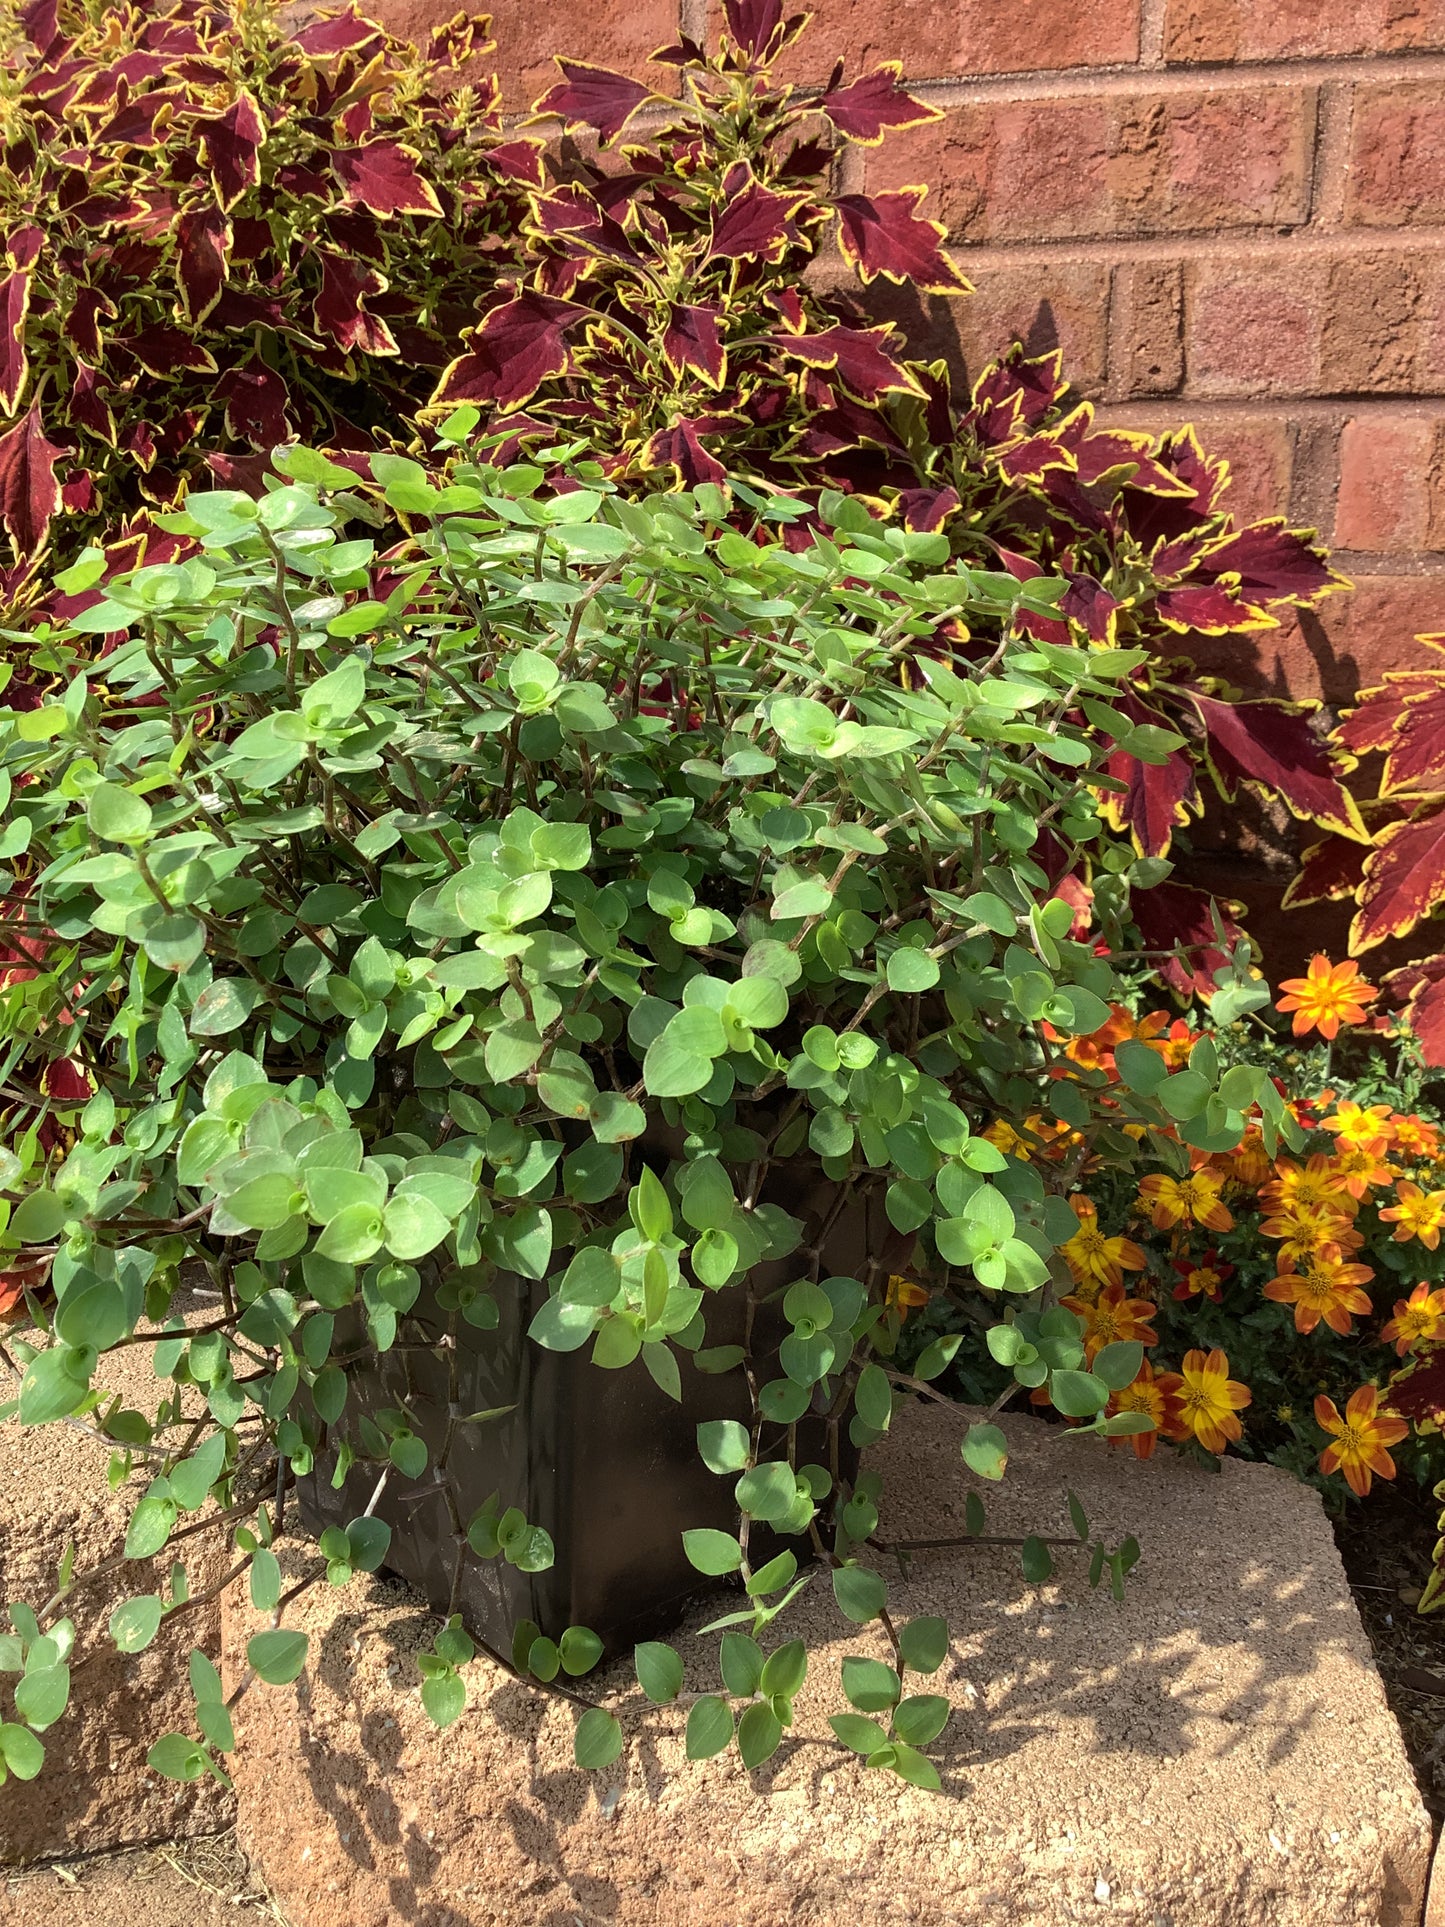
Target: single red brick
1146,329
1392,486
1099,166
1345,645
1252,325
1216,30
1376,316
1397,156
940,42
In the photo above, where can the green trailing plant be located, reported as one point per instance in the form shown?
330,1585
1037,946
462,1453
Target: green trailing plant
510,911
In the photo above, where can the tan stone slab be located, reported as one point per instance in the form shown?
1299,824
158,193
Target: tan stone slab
1216,1752
95,1789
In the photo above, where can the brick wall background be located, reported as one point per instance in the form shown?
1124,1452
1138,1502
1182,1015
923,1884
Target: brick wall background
1230,212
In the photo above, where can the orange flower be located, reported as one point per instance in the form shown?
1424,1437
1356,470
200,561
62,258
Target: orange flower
1312,1232
903,1295
1206,1277
1360,1438
1326,1288
1416,1321
1157,1398
1318,1182
1093,1258
1352,1125
1414,1139
1326,997
1248,1165
1113,1316
1096,1050
1176,1043
1419,1214
1170,1201
1361,1169
1209,1399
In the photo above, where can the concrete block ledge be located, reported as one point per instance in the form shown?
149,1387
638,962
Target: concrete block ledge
1217,1752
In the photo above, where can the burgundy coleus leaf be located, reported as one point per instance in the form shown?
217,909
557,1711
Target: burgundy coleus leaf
517,347
678,448
339,309
751,222
88,308
1090,604
88,406
77,493
875,105
460,39
1155,801
165,351
1177,916
1416,759
754,24
203,247
386,177
23,245
139,443
1373,725
14,306
1417,1392
693,339
927,509
1272,744
41,23
1033,458
857,355
518,160
232,144
1208,608
884,234
592,97
29,483
343,33
1420,989
1271,563
256,399
1330,871
1404,880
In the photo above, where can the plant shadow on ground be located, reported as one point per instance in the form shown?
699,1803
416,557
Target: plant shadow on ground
1194,1685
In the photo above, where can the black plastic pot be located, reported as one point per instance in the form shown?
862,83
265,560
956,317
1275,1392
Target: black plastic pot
604,1460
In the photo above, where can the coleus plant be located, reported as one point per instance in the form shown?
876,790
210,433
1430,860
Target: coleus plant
1396,876
512,910
673,317
220,236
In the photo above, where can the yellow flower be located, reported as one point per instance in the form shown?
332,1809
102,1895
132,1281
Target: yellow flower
1093,1258
1111,1317
1416,1321
1312,1231
1318,1182
1360,1438
1414,1138
1419,1214
1353,1125
1157,1398
1170,1201
1326,997
1326,1288
1361,1169
1209,1399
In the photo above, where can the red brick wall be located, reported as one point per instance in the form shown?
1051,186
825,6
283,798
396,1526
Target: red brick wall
1230,212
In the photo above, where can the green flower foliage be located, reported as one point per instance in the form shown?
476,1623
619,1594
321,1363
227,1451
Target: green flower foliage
381,911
